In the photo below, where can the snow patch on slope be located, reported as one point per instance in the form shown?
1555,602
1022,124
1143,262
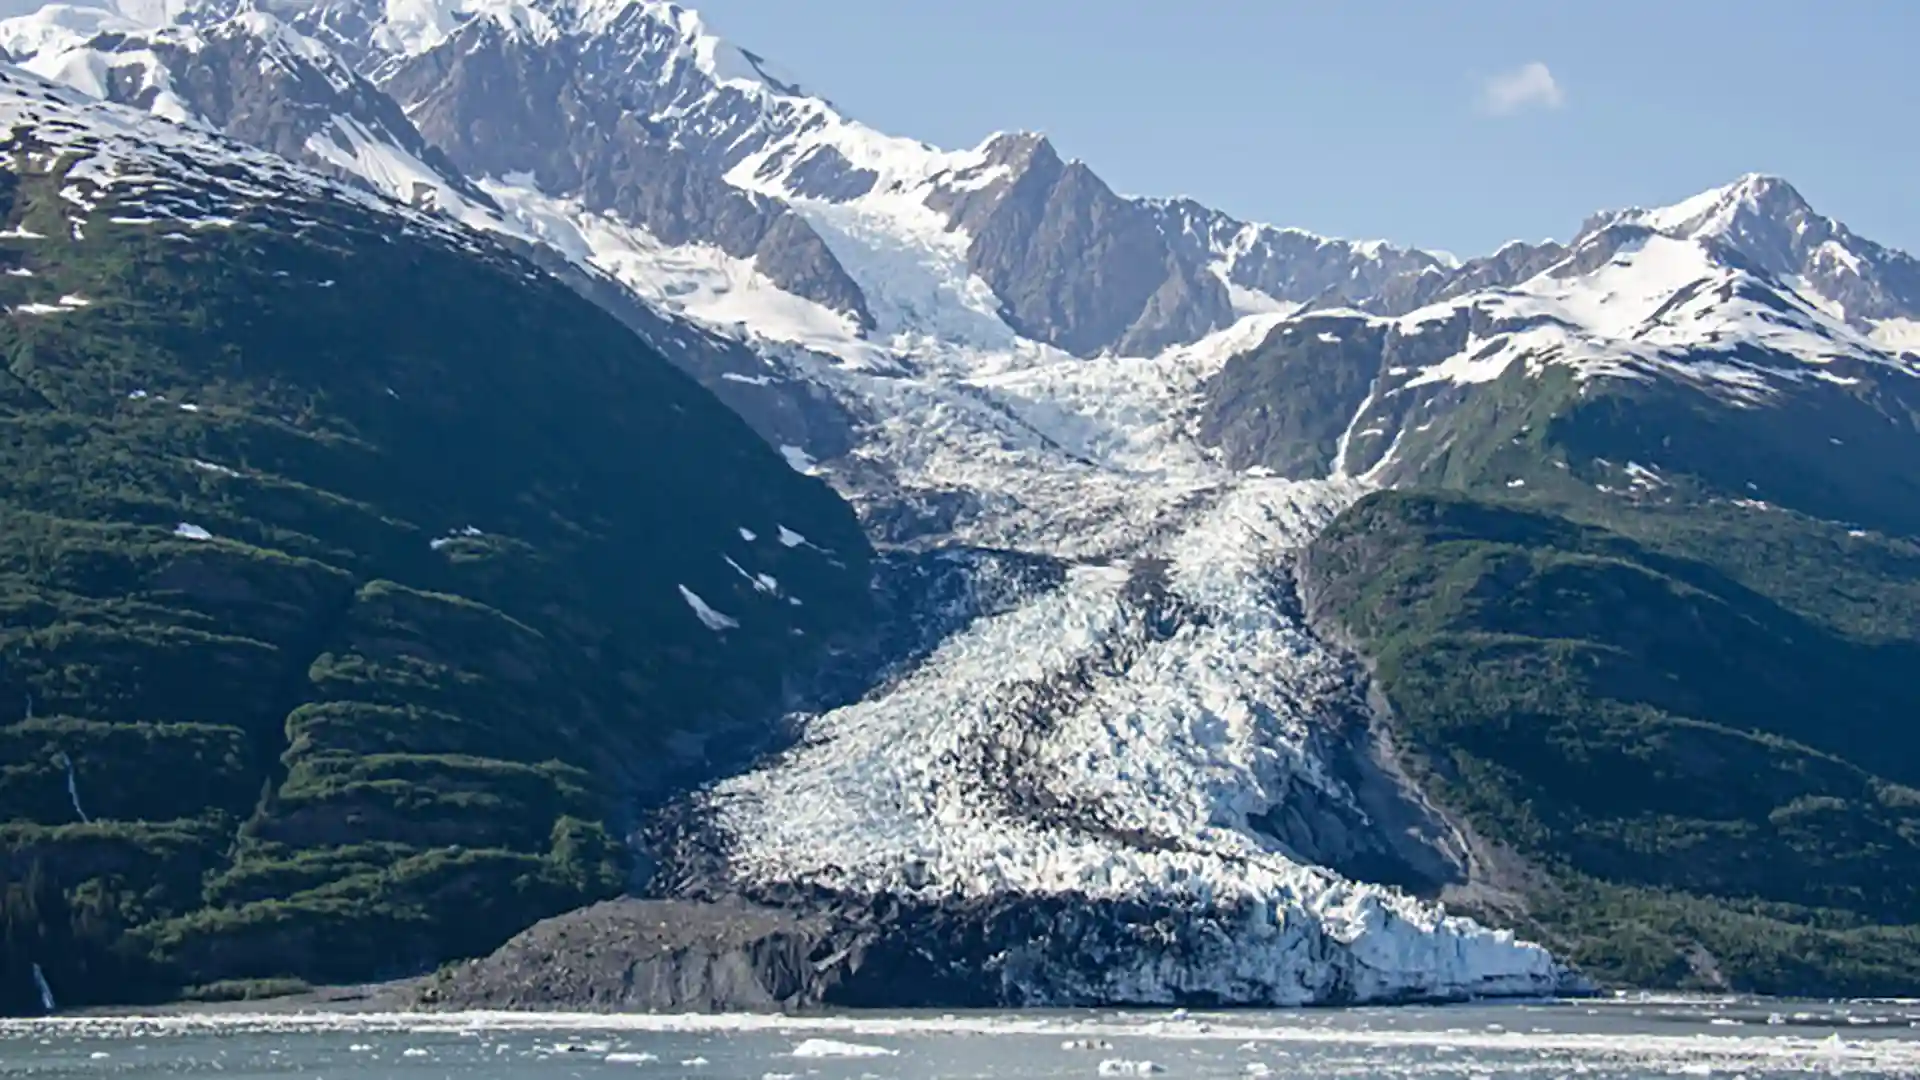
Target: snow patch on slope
347,145
926,302
698,281
56,43
1900,335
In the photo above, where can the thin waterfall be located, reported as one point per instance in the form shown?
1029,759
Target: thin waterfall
46,992
73,786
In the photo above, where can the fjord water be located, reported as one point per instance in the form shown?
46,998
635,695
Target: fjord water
1623,1039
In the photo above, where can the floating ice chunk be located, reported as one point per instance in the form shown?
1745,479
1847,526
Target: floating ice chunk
1124,1067
187,406
19,271
191,532
693,1061
789,538
834,1048
414,1051
798,460
749,535
1516,482
464,531
1258,1068
708,617
625,1058
762,583
1643,476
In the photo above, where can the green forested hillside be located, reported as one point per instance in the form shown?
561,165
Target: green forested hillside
353,578
1688,701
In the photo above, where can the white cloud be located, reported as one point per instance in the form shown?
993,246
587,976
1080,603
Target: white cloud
1529,86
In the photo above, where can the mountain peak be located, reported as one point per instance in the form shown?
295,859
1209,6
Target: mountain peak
1018,149
1716,212
1765,221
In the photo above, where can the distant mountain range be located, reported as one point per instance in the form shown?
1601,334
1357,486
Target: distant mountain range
1241,593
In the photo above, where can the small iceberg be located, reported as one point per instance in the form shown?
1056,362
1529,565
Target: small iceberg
833,1048
1124,1067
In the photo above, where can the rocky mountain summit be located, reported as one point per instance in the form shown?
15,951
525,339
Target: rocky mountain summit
1274,618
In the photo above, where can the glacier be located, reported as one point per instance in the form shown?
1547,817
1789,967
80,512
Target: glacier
1092,771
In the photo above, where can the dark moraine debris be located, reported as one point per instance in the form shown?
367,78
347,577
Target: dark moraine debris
650,956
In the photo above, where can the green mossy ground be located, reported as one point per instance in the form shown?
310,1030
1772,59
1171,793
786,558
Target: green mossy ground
1696,712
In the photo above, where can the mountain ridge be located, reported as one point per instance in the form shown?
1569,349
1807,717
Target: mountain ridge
1124,458
746,133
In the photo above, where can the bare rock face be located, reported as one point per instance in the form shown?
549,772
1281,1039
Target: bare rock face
253,79
647,956
500,106
1079,267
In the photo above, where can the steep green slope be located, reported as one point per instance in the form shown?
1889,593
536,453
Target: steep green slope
1663,648
354,575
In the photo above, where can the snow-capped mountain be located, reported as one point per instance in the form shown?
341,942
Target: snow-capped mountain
250,77
1116,420
1766,221
638,110
1679,305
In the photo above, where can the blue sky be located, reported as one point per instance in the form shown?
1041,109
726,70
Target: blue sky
1372,118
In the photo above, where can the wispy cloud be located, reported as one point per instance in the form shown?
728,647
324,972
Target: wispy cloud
1529,86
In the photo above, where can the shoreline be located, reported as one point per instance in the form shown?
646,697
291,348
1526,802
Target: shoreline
382,998
391,1001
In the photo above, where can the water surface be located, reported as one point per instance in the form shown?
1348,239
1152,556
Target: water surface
1622,1039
